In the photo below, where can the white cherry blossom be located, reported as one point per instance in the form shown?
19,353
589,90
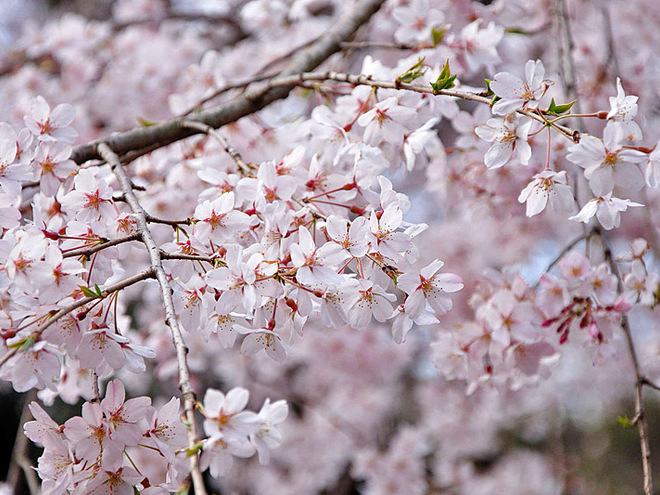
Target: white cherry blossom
607,163
623,110
516,94
509,136
606,209
386,121
548,186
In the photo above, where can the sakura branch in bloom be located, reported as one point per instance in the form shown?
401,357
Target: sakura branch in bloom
327,279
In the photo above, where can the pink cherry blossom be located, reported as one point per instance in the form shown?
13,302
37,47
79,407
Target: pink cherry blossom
53,166
368,300
623,110
51,125
479,46
386,121
417,20
315,266
429,287
268,437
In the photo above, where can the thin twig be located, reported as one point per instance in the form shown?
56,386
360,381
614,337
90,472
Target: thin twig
103,244
378,44
207,129
189,397
224,89
640,380
79,303
152,219
190,257
96,393
565,48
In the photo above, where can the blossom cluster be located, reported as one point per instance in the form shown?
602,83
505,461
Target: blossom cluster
309,247
513,340
117,445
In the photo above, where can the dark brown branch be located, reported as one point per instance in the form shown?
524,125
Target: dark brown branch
20,460
168,132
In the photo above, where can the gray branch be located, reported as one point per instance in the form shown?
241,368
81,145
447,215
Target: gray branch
189,397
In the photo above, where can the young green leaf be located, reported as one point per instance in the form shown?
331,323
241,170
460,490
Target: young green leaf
445,80
413,73
557,110
437,35
87,292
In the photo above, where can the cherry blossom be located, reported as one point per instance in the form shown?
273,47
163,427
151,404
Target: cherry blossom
607,163
386,121
623,110
268,436
315,265
429,287
51,125
369,300
480,45
516,94
606,209
90,200
547,185
299,203
509,136
52,165
218,220
417,20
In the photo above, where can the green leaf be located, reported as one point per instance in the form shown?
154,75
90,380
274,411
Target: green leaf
625,422
91,293
145,122
557,110
413,73
488,90
445,80
437,35
190,451
24,344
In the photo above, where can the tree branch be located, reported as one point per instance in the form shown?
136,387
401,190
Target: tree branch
189,397
251,101
640,380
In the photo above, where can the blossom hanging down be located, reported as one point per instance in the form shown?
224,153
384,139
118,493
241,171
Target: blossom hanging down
606,208
429,287
509,136
547,186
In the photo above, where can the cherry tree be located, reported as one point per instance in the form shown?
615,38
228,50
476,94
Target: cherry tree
329,246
